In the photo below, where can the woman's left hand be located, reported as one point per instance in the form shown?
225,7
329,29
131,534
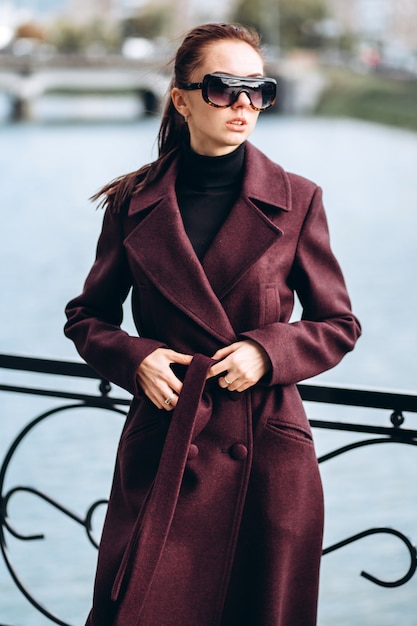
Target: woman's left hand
242,364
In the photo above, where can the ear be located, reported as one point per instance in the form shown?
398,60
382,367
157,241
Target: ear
179,101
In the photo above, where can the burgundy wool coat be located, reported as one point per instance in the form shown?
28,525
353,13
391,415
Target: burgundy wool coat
225,528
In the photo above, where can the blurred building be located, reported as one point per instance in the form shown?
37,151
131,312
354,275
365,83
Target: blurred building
388,23
186,13
86,11
403,23
343,13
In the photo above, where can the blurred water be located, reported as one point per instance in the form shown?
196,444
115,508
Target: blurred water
47,243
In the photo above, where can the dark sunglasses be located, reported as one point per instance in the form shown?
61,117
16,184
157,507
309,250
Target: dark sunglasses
222,90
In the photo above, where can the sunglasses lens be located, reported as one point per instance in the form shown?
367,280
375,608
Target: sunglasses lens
224,91
262,94
268,95
218,92
257,96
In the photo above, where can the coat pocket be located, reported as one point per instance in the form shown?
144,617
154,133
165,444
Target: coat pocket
270,304
140,451
142,430
289,431
144,420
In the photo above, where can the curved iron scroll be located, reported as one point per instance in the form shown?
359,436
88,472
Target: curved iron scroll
393,435
86,522
373,531
396,435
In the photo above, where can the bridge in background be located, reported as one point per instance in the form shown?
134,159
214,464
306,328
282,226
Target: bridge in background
27,79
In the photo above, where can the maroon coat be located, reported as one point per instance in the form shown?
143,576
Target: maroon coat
230,534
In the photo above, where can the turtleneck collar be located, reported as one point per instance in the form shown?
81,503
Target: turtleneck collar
209,172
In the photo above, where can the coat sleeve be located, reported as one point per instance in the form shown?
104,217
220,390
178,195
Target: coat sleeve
328,329
95,316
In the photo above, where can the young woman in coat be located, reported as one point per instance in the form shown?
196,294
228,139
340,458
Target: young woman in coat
215,515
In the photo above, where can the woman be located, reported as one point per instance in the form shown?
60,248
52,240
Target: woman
215,515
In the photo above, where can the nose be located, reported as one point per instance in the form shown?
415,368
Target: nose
242,100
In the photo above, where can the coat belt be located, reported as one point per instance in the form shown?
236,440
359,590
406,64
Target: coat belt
151,529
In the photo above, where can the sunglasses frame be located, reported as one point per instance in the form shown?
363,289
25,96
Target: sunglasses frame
243,86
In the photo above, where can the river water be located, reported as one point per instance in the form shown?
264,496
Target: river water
48,236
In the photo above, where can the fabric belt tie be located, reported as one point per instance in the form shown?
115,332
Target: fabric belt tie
150,532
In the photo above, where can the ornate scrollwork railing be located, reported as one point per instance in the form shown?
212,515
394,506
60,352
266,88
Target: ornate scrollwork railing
396,403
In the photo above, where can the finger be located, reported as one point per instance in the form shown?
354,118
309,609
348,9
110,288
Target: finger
165,394
242,387
216,370
174,383
222,353
178,357
159,394
235,385
170,402
220,368
225,382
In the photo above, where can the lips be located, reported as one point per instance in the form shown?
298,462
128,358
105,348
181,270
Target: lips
237,123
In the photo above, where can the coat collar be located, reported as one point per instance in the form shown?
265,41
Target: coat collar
264,181
163,250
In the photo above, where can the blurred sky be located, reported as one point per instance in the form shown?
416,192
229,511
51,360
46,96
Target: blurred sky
37,6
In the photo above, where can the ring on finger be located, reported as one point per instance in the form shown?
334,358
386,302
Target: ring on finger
228,382
169,399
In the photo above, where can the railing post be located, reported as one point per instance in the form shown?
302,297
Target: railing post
21,109
398,405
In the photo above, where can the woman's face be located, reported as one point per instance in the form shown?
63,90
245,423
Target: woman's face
214,132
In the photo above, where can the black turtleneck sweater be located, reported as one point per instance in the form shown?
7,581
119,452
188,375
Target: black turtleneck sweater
207,187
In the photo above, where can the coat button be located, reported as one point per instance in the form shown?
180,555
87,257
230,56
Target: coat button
192,452
238,452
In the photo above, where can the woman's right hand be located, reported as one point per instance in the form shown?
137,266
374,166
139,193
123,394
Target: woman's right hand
157,379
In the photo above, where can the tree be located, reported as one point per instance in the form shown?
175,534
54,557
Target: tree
289,23
30,30
150,22
70,37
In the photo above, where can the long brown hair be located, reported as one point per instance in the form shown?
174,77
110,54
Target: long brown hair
173,132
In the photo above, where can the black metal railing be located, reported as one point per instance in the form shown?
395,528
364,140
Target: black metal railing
393,431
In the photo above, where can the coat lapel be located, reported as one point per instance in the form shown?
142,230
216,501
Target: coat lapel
161,247
247,232
242,240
